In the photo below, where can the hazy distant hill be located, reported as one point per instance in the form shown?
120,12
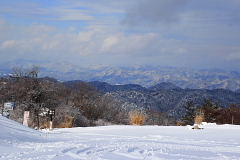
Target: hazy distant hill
105,87
164,85
146,76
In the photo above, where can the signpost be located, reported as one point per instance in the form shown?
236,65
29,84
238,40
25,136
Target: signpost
51,114
7,106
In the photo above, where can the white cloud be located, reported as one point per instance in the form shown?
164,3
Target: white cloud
109,43
8,44
35,10
43,39
47,42
66,14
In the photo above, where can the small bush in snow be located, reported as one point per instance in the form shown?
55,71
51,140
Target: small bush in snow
67,123
137,118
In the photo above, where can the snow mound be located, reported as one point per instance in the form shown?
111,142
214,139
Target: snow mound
208,124
12,131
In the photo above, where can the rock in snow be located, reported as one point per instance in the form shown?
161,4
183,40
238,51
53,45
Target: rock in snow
119,143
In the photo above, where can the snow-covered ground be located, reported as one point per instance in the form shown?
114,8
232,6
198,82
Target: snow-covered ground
119,143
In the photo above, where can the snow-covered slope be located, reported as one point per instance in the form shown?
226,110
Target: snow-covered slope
13,134
121,143
13,131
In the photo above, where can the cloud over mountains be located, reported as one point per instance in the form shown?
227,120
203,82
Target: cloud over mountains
196,34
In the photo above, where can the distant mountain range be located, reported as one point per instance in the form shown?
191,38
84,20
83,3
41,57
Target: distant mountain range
141,75
165,97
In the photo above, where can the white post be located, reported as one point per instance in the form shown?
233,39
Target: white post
50,125
26,118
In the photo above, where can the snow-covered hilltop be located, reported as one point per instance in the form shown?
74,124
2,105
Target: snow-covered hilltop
119,143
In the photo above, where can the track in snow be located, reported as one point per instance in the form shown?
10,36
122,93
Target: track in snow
123,143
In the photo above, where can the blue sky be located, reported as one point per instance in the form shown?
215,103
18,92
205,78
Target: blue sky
180,33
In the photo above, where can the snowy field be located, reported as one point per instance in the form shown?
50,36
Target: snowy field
119,143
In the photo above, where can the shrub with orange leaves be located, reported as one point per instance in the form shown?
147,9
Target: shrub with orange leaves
67,123
199,118
137,117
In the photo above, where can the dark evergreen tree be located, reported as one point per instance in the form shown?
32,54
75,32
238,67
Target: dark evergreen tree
210,110
188,118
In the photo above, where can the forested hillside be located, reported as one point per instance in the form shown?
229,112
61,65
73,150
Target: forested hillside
79,103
